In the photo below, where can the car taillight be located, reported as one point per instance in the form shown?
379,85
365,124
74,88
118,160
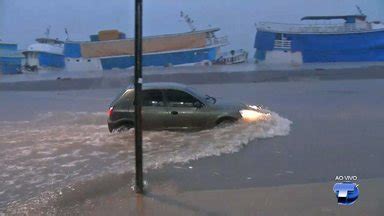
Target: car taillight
110,111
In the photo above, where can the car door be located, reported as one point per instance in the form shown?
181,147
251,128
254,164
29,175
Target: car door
154,111
184,114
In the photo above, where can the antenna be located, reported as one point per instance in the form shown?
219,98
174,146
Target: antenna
188,20
359,10
48,31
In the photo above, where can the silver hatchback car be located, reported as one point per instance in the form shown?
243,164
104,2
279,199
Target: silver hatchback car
173,106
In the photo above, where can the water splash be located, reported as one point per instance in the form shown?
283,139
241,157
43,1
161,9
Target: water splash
58,149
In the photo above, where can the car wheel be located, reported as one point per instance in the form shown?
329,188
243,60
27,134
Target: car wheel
123,128
226,122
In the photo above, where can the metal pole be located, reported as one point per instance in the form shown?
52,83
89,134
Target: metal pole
138,88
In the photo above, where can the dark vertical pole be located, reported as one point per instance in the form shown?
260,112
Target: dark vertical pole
138,88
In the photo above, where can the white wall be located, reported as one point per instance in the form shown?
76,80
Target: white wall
281,57
81,64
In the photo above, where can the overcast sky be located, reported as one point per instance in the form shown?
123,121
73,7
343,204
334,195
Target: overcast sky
22,21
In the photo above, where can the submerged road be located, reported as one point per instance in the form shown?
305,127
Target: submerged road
337,129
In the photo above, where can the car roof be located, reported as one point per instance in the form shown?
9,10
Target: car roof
162,85
165,85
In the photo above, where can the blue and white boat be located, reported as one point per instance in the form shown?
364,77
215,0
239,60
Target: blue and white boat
45,55
353,40
10,58
110,50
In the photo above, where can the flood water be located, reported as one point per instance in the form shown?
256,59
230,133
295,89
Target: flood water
52,142
56,149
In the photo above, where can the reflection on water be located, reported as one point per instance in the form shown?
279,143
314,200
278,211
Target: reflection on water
58,149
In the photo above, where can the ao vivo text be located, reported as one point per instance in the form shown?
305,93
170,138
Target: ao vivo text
346,178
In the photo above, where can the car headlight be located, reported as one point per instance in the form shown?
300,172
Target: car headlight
253,115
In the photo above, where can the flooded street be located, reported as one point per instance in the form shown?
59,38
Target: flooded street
241,108
55,142
51,150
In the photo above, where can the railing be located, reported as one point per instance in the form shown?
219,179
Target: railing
313,28
283,44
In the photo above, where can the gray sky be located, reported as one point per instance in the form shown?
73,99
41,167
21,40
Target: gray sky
22,21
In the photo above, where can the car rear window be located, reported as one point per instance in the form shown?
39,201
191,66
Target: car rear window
122,100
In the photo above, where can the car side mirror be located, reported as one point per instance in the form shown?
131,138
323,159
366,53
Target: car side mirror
198,104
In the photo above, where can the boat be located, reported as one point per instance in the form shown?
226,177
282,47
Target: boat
353,40
10,58
45,55
110,50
